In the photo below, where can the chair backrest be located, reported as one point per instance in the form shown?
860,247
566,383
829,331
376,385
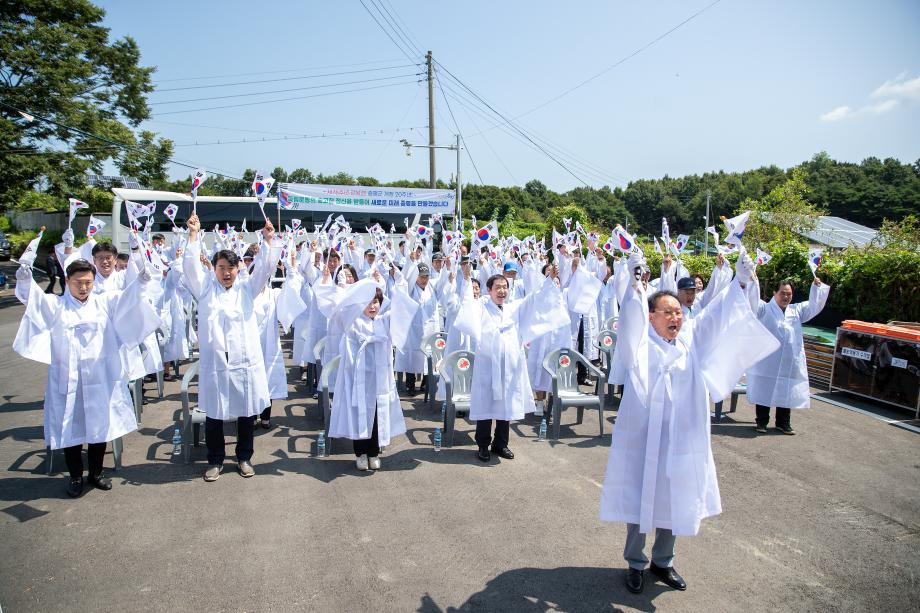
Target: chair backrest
318,348
327,370
187,379
457,370
434,345
606,341
561,364
611,323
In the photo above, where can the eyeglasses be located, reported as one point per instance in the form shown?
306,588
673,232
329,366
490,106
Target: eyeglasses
104,258
670,313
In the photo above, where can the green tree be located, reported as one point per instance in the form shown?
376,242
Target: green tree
148,162
780,214
58,65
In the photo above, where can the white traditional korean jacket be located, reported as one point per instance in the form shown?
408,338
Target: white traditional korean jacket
365,386
540,347
86,397
426,321
501,386
781,379
660,471
231,373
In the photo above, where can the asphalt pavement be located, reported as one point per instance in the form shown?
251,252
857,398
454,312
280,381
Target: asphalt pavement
828,520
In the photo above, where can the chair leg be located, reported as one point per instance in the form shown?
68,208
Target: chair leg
160,383
581,414
600,414
117,448
327,412
450,417
137,392
734,405
557,417
196,434
49,459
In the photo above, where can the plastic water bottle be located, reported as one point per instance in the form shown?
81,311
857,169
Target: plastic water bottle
177,442
542,435
437,439
321,445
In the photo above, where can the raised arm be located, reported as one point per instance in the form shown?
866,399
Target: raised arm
194,275
817,298
265,261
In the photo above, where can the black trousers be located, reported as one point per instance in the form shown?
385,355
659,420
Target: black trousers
73,457
368,446
214,439
783,416
581,372
54,280
266,413
484,433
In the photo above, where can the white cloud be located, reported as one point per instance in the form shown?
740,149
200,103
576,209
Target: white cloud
899,87
841,112
881,107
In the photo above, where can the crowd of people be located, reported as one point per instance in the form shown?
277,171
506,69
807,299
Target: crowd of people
680,344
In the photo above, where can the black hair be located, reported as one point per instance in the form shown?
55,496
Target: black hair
698,276
368,252
491,281
225,254
331,252
251,251
156,237
351,269
122,257
783,282
401,243
545,268
378,296
476,281
105,247
80,265
655,298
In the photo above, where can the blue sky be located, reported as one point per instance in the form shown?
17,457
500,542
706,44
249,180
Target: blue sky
742,84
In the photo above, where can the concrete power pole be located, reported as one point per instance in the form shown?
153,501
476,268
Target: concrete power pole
433,177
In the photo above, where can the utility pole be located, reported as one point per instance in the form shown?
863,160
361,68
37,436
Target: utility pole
706,232
433,178
459,191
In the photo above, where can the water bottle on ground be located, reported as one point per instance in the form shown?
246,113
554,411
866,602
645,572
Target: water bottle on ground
177,442
437,439
321,445
542,435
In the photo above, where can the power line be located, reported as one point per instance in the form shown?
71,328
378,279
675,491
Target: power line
261,72
373,166
343,134
510,123
315,76
405,30
284,91
391,22
232,106
293,135
385,31
620,61
109,141
456,125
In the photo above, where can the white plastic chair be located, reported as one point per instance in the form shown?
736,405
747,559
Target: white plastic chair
433,347
561,365
457,370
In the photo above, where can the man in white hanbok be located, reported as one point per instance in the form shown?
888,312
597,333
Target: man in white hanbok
781,379
231,378
78,335
660,473
501,388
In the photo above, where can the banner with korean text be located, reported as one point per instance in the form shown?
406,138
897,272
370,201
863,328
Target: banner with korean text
353,198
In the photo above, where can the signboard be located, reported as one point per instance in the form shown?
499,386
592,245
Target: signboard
899,362
856,353
354,198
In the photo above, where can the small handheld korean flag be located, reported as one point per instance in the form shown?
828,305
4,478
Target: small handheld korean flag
75,205
197,179
715,234
665,231
31,250
610,246
170,212
762,257
260,188
625,242
657,246
568,224
295,223
94,226
814,261
284,199
681,243
735,228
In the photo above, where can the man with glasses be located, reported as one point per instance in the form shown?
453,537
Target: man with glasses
660,473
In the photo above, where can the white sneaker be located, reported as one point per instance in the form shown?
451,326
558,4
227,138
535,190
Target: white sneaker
374,463
361,462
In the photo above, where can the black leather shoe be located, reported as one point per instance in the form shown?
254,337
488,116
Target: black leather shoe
504,452
101,482
669,577
75,488
634,580
484,455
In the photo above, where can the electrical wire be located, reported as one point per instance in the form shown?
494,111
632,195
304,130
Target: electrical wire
460,132
315,76
284,91
385,31
261,72
233,106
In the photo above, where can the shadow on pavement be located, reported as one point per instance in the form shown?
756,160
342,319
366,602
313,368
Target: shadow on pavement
525,590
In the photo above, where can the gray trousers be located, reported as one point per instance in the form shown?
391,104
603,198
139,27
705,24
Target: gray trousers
662,550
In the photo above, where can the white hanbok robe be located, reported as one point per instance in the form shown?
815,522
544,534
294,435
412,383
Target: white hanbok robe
426,321
781,379
231,372
559,338
660,471
86,396
501,386
366,386
584,289
265,306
